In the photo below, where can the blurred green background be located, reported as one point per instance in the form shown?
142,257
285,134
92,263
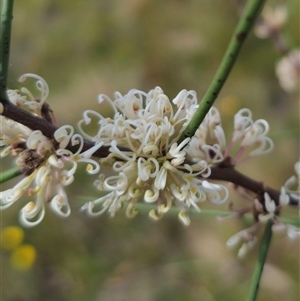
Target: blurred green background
83,48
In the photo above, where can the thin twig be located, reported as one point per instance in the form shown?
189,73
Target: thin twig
6,21
251,12
258,269
9,174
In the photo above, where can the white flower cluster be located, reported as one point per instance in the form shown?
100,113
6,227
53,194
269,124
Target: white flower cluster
272,19
48,166
32,104
288,71
209,142
148,162
266,209
292,185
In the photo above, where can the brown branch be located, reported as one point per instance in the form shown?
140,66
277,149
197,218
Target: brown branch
224,172
47,128
33,122
230,174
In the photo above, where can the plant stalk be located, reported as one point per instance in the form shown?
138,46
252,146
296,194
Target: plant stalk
6,21
261,259
251,12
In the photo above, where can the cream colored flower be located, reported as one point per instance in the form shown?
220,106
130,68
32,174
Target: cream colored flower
288,71
272,19
145,156
47,169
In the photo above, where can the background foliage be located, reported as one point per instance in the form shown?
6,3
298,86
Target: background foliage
85,48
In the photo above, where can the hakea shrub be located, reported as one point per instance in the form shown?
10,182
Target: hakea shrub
146,160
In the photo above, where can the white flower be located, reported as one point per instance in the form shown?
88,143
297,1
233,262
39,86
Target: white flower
12,133
293,232
148,162
292,185
27,100
270,208
272,19
252,136
45,167
209,142
284,198
288,71
245,239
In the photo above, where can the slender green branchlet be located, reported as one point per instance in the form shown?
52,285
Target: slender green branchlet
259,265
6,21
251,12
9,174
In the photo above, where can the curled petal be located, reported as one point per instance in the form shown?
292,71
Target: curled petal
156,215
90,206
256,132
58,163
66,178
246,247
165,207
131,212
242,120
234,240
75,140
93,167
33,213
213,194
151,196
176,150
266,145
41,85
269,203
5,152
134,191
63,135
103,97
184,218
161,179
5,200
291,185
284,198
42,176
144,169
117,183
60,204
35,138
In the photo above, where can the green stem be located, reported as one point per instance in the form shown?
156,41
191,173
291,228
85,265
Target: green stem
6,20
240,33
258,269
9,174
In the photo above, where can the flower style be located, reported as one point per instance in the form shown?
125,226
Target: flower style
288,71
146,157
